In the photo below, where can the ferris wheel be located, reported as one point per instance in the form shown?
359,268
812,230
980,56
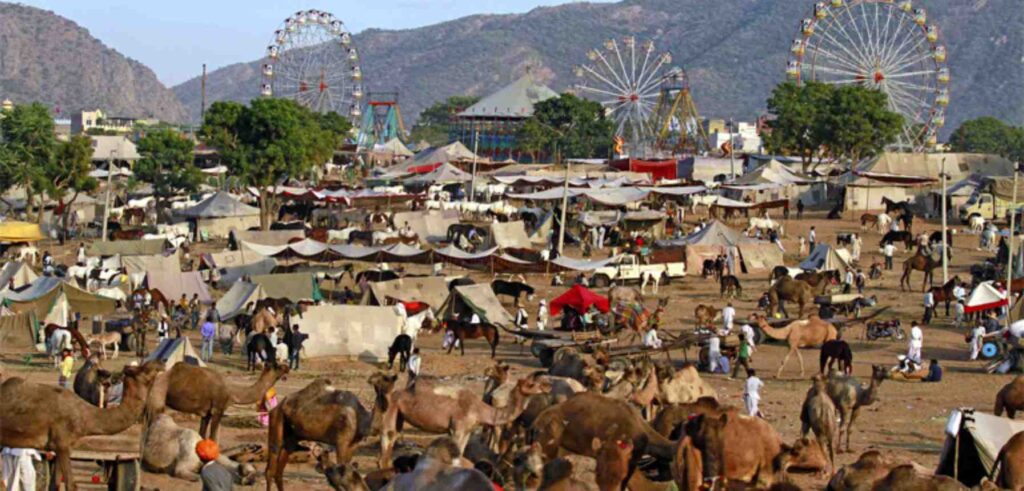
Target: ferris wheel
883,44
312,61
626,79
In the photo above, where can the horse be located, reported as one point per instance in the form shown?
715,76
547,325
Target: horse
364,236
730,285
936,238
512,289
891,206
944,293
402,345
919,262
903,236
822,278
836,350
908,221
868,219
708,269
464,330
260,346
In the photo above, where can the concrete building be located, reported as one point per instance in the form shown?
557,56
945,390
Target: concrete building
98,120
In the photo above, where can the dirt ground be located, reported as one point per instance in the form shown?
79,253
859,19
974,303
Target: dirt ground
908,420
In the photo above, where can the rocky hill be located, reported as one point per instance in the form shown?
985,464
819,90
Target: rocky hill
50,59
734,50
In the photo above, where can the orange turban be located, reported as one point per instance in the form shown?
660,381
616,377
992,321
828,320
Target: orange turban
207,450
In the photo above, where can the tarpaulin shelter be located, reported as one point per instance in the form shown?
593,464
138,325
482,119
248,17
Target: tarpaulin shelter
230,259
824,257
579,298
54,301
156,263
175,284
973,442
174,351
147,247
509,235
15,275
18,332
431,290
985,296
658,169
232,274
707,243
479,299
359,331
266,237
430,225
217,215
292,286
542,234
444,174
13,231
237,298
760,256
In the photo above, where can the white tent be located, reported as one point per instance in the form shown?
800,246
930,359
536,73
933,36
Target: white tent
510,235
358,331
985,296
824,257
16,274
235,300
174,351
973,442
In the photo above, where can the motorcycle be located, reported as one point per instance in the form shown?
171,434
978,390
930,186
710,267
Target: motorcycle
885,329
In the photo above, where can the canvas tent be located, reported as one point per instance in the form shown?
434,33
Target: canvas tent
267,237
174,351
16,274
13,231
824,257
175,284
509,235
479,299
357,331
217,215
18,332
444,174
580,299
760,256
155,263
292,286
973,442
707,243
431,290
128,247
54,301
985,296
231,275
430,225
237,298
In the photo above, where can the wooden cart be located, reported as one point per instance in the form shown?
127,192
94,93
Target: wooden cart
110,463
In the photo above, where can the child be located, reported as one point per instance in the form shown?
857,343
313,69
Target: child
67,365
752,393
742,357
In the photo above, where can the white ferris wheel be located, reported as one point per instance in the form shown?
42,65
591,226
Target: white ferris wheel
883,44
312,61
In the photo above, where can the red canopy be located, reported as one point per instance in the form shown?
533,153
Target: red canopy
580,299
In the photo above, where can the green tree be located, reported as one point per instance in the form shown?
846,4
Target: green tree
567,125
68,172
798,128
984,135
268,142
168,163
434,121
859,124
27,134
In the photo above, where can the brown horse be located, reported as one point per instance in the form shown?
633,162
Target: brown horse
76,336
944,293
919,262
464,330
156,295
790,290
820,279
868,219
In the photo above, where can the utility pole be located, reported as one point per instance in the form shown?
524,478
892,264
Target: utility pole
202,110
110,184
1012,238
472,182
732,152
945,252
565,204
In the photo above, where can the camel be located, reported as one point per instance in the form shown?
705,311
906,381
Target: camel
171,449
687,466
500,397
323,414
790,290
849,397
203,392
448,409
670,420
819,414
625,295
527,467
105,339
558,476
264,320
1010,398
46,417
438,470
738,447
805,333
1011,463
571,363
873,470
684,386
92,382
919,262
705,315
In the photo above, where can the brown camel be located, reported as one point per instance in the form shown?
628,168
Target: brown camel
203,392
790,290
323,414
1011,398
873,470
818,414
919,262
51,418
448,409
806,333
850,396
684,386
92,382
263,320
737,447
1011,463
687,466
670,420
573,425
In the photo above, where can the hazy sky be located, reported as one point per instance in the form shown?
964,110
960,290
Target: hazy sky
175,37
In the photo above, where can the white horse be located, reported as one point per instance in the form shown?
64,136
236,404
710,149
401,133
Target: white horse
340,235
977,224
649,277
30,253
381,235
763,223
884,220
414,323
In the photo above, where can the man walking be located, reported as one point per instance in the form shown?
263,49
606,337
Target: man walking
888,250
208,331
799,208
929,307
295,347
728,315
812,239
752,393
742,358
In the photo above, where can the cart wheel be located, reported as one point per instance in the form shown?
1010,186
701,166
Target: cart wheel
126,476
989,351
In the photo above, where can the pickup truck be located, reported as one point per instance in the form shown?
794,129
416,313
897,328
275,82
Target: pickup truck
987,204
629,269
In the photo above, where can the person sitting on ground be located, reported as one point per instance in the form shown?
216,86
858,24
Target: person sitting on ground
215,476
934,372
651,339
905,365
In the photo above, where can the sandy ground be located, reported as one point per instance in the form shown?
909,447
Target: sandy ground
908,420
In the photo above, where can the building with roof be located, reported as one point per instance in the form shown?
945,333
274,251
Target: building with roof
495,120
97,120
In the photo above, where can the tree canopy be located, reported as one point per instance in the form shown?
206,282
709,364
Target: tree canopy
821,121
270,141
989,135
168,164
433,124
567,125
